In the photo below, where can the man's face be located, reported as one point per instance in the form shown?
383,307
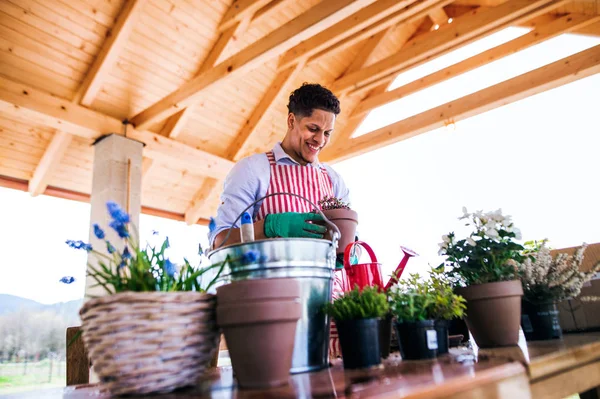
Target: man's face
308,135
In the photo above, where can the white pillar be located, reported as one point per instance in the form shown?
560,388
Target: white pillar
117,177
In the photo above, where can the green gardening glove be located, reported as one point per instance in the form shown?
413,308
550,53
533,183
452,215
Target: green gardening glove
292,224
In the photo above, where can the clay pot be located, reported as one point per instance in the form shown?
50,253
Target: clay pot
260,327
258,290
494,312
346,220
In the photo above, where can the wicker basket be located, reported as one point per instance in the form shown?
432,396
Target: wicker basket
149,342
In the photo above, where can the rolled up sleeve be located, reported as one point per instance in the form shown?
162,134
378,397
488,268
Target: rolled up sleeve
239,190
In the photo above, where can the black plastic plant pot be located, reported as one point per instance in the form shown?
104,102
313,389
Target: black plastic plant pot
359,341
540,321
418,340
443,342
385,335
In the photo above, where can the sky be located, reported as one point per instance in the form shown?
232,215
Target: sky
536,159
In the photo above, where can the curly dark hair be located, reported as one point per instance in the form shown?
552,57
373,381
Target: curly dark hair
312,96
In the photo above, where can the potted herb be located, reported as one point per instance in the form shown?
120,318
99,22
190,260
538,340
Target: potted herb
153,312
422,309
547,280
340,214
447,307
484,266
356,315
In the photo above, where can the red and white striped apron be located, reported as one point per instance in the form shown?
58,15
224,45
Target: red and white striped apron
307,181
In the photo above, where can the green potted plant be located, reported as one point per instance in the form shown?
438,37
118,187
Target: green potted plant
357,314
547,280
154,310
447,307
340,214
422,308
484,267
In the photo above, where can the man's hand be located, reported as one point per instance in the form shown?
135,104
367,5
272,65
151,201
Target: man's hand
292,224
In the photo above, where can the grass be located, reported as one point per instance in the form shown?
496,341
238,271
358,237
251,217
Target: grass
20,377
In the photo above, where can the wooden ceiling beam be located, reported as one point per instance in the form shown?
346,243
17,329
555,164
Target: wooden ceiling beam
565,24
203,202
591,30
24,102
412,13
404,33
341,30
240,10
566,70
51,158
462,31
320,17
111,49
439,17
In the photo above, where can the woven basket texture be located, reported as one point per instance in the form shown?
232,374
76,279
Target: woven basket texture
150,342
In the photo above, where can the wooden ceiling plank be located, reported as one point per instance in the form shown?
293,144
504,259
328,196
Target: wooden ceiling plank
240,10
310,23
462,31
342,30
24,102
406,32
111,49
591,30
438,17
205,197
366,51
566,70
50,160
412,13
559,26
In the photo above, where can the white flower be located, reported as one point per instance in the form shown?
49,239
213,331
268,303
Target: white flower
446,239
492,233
517,233
465,213
471,242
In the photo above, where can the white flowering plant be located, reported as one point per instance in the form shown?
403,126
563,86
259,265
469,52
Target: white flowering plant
549,279
488,254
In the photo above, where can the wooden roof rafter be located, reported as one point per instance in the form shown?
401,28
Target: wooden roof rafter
93,80
462,31
566,70
565,24
316,19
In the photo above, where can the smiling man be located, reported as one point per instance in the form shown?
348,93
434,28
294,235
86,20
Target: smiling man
292,166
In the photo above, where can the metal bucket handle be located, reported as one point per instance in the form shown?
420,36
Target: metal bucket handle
336,230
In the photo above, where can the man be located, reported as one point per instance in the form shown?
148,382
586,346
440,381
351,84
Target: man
292,166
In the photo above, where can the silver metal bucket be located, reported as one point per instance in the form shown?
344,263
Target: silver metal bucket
312,263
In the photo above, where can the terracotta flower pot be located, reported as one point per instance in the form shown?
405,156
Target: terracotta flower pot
346,220
494,312
258,290
259,319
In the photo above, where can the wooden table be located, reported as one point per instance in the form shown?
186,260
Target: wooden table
542,369
447,377
556,368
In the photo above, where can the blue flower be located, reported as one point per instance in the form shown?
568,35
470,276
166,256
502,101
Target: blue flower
120,228
251,256
122,264
67,279
154,232
118,214
126,254
110,248
79,245
98,232
170,268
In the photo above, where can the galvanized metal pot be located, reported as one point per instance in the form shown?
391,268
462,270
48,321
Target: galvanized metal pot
311,262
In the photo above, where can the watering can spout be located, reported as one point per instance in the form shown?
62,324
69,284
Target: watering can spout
408,253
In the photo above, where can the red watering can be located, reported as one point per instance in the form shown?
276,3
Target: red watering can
367,274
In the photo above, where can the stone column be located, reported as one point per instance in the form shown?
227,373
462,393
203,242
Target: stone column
117,176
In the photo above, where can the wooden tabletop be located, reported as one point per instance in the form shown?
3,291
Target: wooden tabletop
556,368
448,377
551,369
